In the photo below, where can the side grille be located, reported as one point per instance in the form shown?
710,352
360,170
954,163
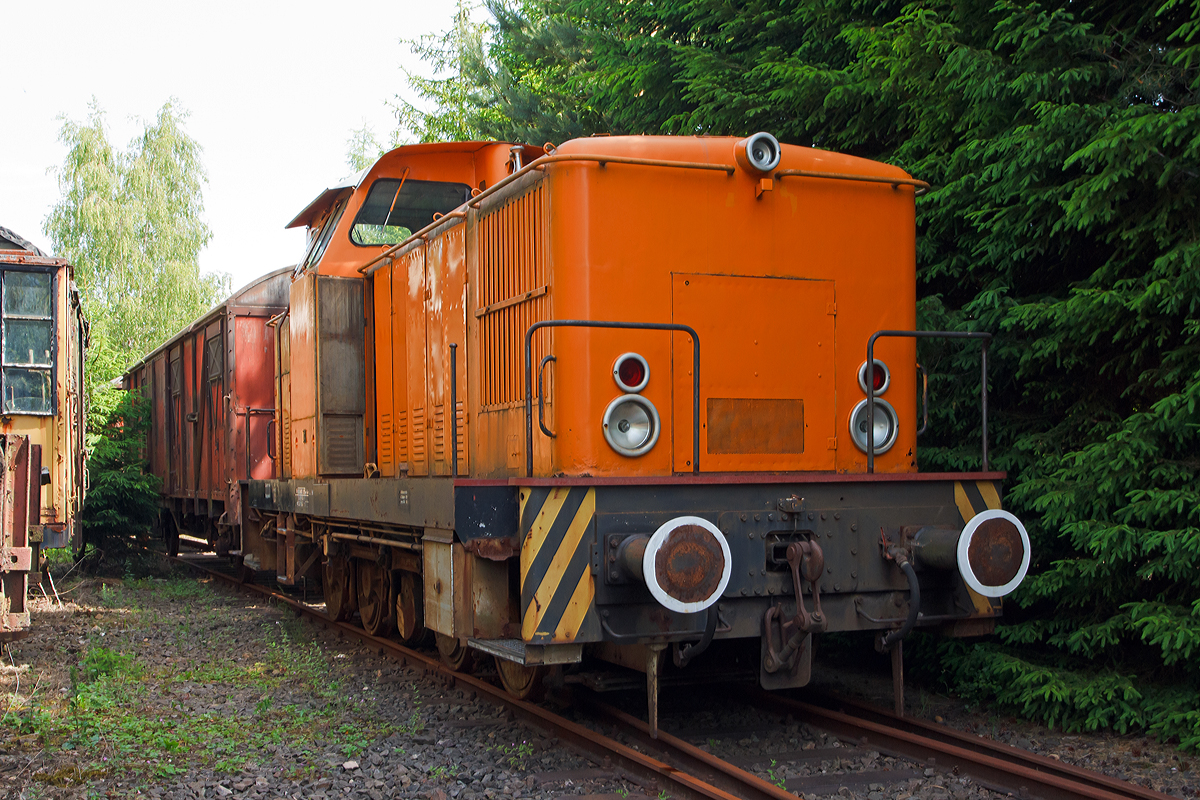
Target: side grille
386,451
402,437
342,445
513,294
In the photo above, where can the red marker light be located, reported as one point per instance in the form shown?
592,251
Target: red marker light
879,380
631,372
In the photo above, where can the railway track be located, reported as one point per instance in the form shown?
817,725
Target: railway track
683,769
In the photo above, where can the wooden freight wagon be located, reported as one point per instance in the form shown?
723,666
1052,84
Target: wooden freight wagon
212,409
43,334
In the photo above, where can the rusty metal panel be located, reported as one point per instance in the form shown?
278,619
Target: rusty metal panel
14,504
445,595
303,396
283,396
755,425
251,371
385,411
341,374
413,265
491,612
447,274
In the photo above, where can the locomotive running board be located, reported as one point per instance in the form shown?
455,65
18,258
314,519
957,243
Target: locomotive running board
529,655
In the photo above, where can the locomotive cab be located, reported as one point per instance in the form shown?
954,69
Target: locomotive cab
623,397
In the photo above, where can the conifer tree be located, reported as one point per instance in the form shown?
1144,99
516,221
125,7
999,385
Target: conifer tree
1063,143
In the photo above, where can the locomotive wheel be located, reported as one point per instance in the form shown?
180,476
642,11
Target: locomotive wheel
410,611
339,588
455,655
374,598
523,683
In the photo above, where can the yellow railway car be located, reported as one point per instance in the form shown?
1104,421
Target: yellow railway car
43,336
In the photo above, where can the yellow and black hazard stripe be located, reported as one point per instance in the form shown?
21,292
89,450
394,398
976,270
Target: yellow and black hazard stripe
557,586
975,497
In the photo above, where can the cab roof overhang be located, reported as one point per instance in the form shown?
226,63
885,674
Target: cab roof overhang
326,198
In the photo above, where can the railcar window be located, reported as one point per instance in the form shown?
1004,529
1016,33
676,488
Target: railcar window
322,241
395,208
28,347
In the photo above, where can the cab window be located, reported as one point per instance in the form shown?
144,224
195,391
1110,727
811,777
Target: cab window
321,240
27,330
396,207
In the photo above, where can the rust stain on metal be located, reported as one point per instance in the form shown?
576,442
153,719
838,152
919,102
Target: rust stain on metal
689,564
498,549
995,552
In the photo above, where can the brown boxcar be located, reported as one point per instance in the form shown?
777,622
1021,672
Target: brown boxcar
212,413
43,336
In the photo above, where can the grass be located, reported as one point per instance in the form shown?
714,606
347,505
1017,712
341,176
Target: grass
124,719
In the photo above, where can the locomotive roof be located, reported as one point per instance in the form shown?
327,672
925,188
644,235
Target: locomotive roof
326,198
265,291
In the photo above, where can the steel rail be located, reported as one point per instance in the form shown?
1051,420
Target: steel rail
1004,767
718,771
674,781
993,764
980,744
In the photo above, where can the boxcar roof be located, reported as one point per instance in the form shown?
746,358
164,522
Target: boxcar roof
10,240
266,291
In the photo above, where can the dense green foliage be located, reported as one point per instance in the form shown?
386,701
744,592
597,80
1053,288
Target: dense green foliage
131,223
1063,143
123,497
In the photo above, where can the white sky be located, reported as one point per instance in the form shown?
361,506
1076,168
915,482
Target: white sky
274,91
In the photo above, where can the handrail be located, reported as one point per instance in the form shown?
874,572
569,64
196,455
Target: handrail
453,410
921,186
539,163
985,337
588,323
542,397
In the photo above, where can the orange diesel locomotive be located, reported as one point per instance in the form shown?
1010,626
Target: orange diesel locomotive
625,398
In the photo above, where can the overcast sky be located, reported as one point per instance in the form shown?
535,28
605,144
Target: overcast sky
273,91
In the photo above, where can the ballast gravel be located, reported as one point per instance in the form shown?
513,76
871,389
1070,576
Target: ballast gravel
216,694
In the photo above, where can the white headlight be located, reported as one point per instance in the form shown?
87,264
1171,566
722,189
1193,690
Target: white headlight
886,428
757,153
631,425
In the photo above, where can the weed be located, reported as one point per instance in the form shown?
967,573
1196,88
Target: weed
623,792
775,777
100,662
442,771
517,755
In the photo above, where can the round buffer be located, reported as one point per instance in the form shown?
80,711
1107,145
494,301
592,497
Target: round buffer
993,553
687,564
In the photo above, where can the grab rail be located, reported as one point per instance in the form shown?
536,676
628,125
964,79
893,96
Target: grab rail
587,323
985,337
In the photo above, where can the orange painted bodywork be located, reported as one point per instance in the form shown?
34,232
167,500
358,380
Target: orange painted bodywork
784,281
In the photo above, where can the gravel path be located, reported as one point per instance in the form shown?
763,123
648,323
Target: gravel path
174,688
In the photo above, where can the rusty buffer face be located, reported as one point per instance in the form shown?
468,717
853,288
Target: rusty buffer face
689,565
995,552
